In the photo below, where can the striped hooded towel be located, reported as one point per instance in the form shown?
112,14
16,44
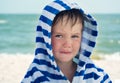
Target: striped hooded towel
44,69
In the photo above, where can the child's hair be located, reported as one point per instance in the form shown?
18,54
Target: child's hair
72,15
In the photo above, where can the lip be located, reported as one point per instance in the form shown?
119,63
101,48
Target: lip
65,52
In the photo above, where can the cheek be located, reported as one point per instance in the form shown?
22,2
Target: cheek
55,45
76,45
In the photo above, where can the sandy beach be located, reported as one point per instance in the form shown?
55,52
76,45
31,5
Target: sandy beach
13,67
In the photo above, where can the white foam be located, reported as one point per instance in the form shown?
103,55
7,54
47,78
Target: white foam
118,41
3,21
16,54
114,56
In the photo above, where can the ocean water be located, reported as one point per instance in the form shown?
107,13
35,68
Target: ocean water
108,41
17,33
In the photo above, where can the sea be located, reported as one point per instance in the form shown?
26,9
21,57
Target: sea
17,33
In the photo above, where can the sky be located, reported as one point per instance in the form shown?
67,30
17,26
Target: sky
36,6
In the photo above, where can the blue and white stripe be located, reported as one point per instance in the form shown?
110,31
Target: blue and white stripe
44,69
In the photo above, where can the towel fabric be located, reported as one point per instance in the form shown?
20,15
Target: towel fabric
44,69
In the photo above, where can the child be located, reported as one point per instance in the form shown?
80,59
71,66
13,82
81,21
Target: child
65,39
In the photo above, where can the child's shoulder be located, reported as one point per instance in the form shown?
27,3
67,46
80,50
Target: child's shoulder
93,71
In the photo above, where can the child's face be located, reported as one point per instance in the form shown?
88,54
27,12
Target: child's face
66,40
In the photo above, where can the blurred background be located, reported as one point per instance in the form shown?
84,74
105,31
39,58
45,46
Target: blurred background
18,21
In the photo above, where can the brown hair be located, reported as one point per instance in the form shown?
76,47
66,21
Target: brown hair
72,15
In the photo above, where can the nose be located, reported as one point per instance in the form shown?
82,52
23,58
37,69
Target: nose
67,43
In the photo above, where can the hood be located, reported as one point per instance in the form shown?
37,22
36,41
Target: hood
43,38
44,67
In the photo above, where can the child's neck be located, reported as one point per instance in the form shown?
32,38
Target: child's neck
68,69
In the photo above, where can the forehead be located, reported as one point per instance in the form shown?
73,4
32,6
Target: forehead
65,25
66,19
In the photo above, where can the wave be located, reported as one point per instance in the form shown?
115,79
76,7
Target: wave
114,41
16,54
3,21
113,56
118,41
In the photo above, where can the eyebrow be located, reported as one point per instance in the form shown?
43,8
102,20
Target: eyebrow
56,32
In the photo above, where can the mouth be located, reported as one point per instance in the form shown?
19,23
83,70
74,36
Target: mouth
65,52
